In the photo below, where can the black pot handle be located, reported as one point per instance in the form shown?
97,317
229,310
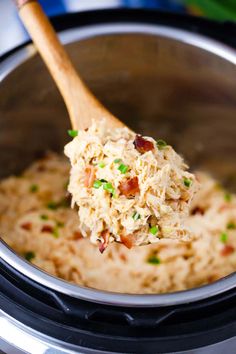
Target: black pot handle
110,314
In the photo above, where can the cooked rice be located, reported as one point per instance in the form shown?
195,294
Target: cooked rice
36,221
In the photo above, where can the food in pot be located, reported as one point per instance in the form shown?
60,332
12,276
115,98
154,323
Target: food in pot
37,222
128,188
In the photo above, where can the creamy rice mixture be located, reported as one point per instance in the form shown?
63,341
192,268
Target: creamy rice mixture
128,188
37,222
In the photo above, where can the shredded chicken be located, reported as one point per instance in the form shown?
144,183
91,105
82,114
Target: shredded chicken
133,188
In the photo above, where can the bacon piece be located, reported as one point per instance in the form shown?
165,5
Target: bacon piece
129,186
142,145
123,257
211,278
26,226
127,240
77,235
227,250
105,235
89,176
32,209
197,210
41,168
47,228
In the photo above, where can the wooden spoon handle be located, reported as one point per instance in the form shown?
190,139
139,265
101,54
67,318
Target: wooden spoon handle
82,106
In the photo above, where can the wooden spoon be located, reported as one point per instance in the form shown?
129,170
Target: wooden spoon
82,105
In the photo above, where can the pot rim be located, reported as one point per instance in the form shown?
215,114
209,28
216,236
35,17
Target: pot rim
89,294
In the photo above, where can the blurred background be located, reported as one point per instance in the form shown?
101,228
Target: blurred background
12,33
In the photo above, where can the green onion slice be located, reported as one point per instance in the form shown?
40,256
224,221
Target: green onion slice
136,216
231,225
123,168
101,164
109,188
29,256
117,160
228,197
154,260
55,232
224,237
34,188
161,144
60,224
43,217
187,182
52,205
72,133
97,184
153,230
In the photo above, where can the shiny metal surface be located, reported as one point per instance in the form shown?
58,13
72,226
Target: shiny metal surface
16,338
163,82
79,292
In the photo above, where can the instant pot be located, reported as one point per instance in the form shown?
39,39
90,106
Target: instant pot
167,76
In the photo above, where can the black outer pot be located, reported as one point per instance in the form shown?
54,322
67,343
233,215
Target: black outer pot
67,324
88,325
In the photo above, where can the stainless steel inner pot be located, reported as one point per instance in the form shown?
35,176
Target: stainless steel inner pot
161,81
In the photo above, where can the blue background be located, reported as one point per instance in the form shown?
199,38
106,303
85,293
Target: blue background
12,32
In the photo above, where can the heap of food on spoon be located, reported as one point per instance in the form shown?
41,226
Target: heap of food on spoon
127,188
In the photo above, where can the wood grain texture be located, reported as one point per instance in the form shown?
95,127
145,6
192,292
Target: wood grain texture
82,105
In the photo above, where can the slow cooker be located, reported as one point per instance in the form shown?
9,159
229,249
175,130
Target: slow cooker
165,75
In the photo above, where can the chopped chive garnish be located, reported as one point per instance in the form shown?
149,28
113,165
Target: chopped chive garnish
101,165
228,197
224,237
136,216
43,217
103,180
161,144
34,188
153,230
187,182
55,232
117,160
60,224
123,168
52,205
231,225
97,184
72,133
154,260
29,256
109,188
63,203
